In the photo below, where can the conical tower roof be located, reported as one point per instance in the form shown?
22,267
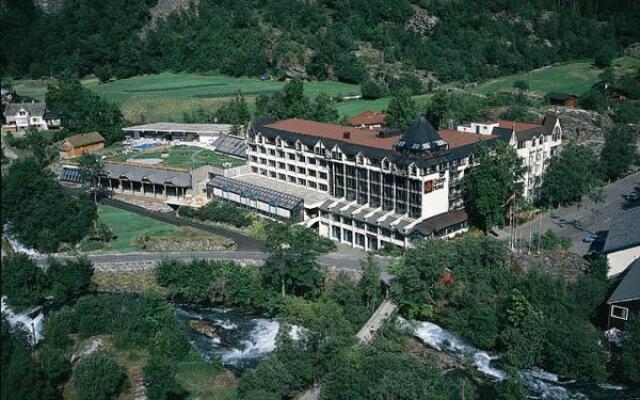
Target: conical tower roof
420,136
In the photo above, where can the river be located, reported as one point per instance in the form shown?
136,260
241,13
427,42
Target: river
540,384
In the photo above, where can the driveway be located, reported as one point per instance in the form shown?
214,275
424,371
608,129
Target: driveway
576,221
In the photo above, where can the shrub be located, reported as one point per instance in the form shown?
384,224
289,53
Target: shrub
99,377
550,241
23,282
218,211
371,90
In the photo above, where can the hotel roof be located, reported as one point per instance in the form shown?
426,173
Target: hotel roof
364,137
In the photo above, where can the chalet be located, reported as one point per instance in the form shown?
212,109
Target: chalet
368,119
624,302
77,145
622,245
561,99
22,116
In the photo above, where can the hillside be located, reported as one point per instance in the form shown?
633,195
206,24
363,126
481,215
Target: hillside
393,42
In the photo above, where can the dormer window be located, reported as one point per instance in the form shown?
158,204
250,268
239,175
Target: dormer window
413,170
385,164
359,159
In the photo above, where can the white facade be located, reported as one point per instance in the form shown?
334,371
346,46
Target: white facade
22,116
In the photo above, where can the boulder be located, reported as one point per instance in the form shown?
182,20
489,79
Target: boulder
204,328
90,347
633,50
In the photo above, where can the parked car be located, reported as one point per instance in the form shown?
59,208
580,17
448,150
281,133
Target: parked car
590,238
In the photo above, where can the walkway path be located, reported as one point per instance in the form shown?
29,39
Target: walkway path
386,309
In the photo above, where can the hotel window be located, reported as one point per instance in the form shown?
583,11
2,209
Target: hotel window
359,239
311,160
281,153
282,165
335,217
336,232
359,159
312,185
311,172
254,158
413,171
291,156
272,174
254,169
385,232
278,141
302,182
302,170
291,168
323,175
282,177
322,187
300,158
348,235
291,179
272,152
272,163
322,163
263,150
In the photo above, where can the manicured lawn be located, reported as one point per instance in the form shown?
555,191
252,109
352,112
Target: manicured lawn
186,157
128,226
576,77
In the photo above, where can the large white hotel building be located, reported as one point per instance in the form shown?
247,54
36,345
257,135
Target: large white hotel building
370,188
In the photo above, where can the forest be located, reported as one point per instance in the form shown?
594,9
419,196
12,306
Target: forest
348,40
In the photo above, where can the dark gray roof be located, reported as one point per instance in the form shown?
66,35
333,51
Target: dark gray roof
503,133
255,192
629,287
158,176
529,134
35,109
549,122
420,136
624,231
441,221
558,95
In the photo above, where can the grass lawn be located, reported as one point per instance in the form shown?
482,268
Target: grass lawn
576,77
185,157
128,227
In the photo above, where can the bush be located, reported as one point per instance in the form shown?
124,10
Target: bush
23,282
218,211
371,90
99,377
550,241
160,381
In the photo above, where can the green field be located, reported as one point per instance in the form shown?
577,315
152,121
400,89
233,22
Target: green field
167,96
128,227
185,157
576,77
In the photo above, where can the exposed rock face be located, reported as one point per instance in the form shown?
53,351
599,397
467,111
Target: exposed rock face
49,6
204,328
559,264
91,347
633,50
164,8
165,244
421,21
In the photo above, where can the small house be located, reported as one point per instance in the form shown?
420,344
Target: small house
622,245
22,116
561,99
77,145
624,302
368,119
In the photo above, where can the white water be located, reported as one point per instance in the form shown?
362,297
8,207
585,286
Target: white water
33,326
17,246
540,383
226,324
261,341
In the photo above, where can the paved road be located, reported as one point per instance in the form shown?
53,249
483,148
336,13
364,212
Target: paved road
577,221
